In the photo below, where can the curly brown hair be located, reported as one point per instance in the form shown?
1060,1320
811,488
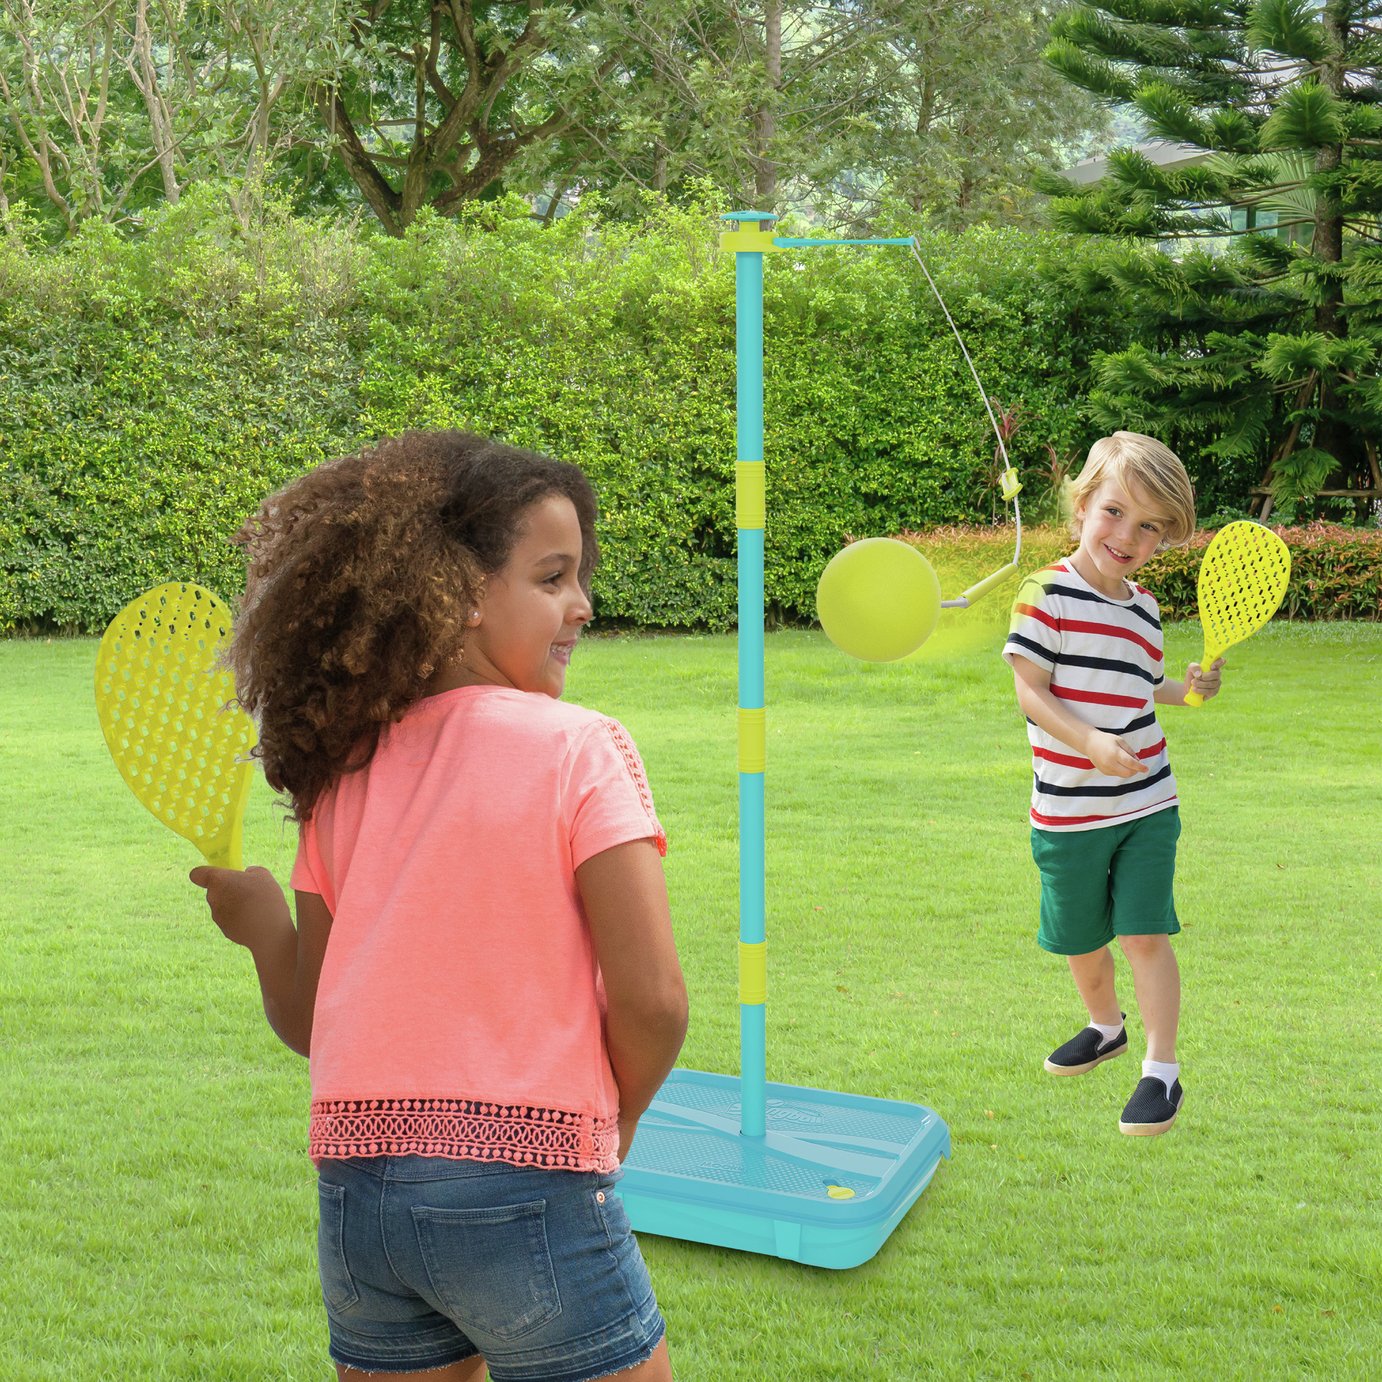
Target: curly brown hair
361,575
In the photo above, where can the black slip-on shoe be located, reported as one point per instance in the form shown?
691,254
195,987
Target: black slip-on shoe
1152,1109
1086,1050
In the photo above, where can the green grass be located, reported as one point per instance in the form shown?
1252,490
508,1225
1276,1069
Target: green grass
157,1207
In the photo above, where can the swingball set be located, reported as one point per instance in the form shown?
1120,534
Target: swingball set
803,1174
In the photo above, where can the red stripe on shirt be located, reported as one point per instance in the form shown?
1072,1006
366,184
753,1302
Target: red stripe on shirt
1069,693
1040,615
1109,631
1071,760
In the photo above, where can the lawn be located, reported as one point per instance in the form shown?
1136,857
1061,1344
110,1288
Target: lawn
157,1210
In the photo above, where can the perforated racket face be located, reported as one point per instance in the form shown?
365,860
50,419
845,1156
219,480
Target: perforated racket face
1243,580
162,703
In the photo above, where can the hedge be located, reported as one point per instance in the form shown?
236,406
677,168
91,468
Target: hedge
1336,572
153,389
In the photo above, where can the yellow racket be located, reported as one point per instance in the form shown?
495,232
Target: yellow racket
1243,580
162,703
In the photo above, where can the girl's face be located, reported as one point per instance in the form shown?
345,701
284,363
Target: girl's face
1120,531
533,608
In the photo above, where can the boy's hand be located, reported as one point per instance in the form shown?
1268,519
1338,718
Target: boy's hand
249,907
1205,684
1112,756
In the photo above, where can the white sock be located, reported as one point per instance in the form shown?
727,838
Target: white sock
1168,1072
1106,1031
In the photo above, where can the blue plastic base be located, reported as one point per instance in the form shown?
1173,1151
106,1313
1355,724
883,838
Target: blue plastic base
825,1185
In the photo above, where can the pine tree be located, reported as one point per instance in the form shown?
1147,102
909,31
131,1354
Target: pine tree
1261,331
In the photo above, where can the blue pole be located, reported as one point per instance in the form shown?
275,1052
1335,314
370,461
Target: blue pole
750,521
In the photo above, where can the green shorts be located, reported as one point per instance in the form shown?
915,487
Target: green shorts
1115,880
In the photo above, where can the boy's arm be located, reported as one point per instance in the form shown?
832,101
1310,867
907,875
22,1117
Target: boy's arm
625,898
251,910
1110,754
1207,684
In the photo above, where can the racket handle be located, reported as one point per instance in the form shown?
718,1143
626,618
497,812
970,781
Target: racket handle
1193,698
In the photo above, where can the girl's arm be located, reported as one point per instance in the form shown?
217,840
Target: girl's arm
625,897
251,910
1110,754
1207,684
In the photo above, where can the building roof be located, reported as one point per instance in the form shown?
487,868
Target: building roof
1162,152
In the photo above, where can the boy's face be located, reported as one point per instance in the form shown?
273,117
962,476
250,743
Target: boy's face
1120,531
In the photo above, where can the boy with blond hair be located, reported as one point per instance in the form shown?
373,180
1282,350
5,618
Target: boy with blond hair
1086,650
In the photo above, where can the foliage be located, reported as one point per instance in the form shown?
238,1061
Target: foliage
1265,356
1336,572
432,103
971,113
109,111
941,108
152,390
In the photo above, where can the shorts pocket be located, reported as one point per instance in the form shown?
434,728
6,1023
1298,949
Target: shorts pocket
491,1269
609,1208
338,1287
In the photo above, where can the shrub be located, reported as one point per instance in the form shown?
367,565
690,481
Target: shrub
152,390
1336,572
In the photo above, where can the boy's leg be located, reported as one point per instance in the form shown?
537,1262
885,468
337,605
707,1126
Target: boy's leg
1158,1097
1094,977
1104,1038
1076,923
1144,915
1156,981
1142,879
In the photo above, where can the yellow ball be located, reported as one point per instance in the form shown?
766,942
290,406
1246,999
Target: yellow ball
878,600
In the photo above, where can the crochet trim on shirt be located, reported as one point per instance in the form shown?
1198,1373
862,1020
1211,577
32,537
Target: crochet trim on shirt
626,747
463,1128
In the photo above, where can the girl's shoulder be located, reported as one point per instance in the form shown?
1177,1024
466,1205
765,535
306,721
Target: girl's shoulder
523,713
578,742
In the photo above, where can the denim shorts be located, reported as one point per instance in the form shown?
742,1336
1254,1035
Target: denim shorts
428,1261
1115,880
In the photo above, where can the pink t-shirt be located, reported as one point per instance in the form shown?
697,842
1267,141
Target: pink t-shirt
460,1011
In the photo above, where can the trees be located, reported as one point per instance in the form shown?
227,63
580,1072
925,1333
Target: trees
92,129
436,99
934,106
109,110
845,109
974,111
1264,356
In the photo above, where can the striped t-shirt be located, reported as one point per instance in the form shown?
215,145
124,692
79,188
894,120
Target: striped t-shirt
1105,660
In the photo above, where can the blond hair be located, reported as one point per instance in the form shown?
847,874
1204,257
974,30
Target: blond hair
1147,466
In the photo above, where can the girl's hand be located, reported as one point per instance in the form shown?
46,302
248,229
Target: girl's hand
1205,684
1112,755
249,907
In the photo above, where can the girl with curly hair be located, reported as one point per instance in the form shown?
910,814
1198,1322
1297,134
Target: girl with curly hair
482,967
